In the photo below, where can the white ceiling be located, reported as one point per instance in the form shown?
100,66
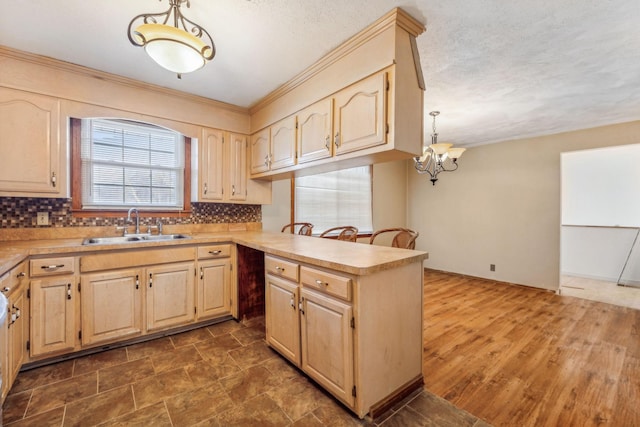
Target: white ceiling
496,69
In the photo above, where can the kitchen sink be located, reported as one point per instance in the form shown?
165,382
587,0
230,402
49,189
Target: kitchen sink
133,238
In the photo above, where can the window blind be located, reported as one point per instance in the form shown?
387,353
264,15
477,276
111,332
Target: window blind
129,164
334,199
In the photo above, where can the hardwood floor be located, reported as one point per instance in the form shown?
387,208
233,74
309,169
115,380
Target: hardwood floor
518,356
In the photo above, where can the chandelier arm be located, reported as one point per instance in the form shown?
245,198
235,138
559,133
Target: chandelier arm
147,18
199,31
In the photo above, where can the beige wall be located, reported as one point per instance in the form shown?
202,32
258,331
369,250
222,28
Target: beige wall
502,207
389,199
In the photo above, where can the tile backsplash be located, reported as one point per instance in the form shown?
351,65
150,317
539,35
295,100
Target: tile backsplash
22,212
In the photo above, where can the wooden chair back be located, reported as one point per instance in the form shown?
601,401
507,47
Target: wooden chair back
345,232
305,228
403,238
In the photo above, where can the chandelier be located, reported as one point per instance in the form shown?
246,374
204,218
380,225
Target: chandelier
173,41
437,157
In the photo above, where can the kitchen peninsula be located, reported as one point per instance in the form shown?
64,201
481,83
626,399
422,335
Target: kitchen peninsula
349,315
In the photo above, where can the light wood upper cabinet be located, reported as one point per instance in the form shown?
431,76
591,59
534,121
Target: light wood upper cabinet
223,170
53,325
315,131
30,148
283,143
111,305
275,147
238,162
211,165
260,150
360,115
170,295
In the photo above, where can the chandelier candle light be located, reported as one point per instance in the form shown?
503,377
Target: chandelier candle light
177,44
437,157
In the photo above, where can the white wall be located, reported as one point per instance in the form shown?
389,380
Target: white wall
502,207
599,253
278,213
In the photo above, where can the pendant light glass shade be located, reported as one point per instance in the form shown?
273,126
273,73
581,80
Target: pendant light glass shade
182,47
173,48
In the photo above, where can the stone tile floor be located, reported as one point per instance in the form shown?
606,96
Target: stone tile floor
221,375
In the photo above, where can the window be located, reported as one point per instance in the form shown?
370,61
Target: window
129,164
335,198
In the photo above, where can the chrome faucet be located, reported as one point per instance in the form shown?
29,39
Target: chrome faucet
137,219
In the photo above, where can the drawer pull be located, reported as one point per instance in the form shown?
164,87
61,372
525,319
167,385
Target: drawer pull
52,267
280,269
320,282
21,274
218,252
69,291
6,289
292,302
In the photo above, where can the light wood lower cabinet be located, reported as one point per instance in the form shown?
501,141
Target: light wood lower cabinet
53,319
327,343
170,295
214,288
111,305
282,319
14,333
358,336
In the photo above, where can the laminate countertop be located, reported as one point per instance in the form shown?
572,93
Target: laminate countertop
348,257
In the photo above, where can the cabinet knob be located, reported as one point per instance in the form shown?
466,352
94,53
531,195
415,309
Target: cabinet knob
54,179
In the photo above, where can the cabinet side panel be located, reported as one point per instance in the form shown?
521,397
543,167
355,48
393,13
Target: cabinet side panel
389,322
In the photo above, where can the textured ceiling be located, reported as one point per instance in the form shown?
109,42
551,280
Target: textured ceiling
496,70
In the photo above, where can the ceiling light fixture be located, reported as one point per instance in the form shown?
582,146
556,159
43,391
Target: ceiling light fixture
177,44
437,157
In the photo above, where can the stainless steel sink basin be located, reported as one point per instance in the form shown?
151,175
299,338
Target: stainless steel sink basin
133,238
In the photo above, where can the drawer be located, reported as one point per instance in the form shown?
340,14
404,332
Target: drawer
51,266
332,284
281,268
214,251
15,277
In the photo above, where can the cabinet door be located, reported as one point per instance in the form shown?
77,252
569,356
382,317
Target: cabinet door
327,343
29,144
111,306
17,335
211,164
238,172
360,115
53,327
170,295
314,132
281,317
283,143
214,288
260,151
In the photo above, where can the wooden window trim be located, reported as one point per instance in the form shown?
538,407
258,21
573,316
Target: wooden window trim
76,183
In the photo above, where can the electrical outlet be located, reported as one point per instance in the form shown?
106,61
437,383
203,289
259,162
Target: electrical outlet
43,218
492,267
